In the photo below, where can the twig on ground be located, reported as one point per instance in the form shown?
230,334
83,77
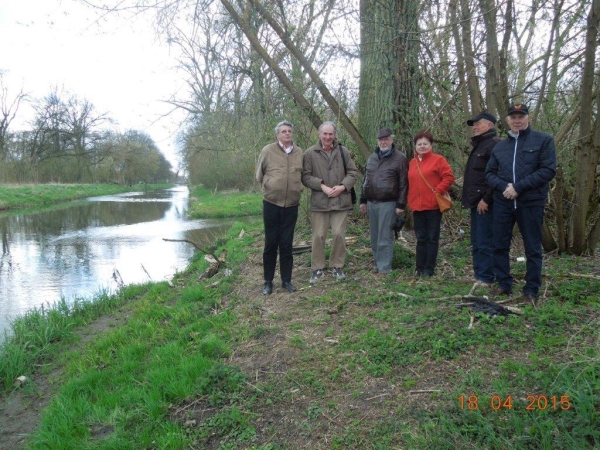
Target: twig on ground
251,385
377,396
424,391
583,275
339,424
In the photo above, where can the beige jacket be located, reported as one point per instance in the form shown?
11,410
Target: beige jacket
328,168
279,175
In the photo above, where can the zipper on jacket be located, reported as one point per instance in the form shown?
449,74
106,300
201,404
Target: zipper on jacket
514,166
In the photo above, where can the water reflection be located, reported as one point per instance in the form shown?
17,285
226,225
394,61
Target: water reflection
73,252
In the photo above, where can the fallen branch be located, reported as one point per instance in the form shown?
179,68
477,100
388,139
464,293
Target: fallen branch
215,261
583,275
424,391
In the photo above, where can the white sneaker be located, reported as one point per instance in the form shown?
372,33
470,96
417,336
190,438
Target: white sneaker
316,276
339,274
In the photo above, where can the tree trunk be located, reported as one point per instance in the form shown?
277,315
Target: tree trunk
389,69
587,156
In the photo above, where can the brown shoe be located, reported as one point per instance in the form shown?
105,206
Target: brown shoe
528,298
497,292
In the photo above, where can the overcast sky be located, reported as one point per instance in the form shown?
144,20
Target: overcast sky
116,63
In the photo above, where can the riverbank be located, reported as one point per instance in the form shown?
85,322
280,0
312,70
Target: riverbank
368,363
211,205
20,196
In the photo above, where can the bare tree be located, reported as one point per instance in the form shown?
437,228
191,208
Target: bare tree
9,106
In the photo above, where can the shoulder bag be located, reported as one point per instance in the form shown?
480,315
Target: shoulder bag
443,200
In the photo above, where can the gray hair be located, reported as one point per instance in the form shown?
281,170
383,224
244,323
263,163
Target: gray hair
329,122
282,123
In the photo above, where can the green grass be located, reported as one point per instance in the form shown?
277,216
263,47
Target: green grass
231,204
13,196
368,363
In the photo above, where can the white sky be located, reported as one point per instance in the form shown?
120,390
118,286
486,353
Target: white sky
115,63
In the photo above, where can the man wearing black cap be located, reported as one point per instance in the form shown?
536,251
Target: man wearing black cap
477,196
383,194
519,171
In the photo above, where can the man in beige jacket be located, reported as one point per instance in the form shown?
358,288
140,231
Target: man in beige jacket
330,173
279,172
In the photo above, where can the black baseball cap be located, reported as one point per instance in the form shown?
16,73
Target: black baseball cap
483,115
518,108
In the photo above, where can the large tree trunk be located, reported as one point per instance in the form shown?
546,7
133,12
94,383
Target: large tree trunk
587,147
389,69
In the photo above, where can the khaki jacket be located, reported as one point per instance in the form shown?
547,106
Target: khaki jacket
280,175
328,168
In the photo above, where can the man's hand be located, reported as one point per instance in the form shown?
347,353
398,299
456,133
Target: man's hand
363,208
326,190
510,192
482,207
336,190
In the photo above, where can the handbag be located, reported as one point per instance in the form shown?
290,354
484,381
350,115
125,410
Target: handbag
352,191
443,200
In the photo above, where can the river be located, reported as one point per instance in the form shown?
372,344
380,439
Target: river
79,249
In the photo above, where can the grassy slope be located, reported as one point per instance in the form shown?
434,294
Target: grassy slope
13,196
371,363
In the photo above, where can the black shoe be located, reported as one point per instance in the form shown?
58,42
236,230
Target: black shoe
268,288
497,292
288,286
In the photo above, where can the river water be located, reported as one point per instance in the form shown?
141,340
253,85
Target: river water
82,248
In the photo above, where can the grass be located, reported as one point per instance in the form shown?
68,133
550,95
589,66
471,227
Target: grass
369,363
13,196
208,205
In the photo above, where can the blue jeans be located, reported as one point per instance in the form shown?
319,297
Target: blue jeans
427,231
482,239
529,219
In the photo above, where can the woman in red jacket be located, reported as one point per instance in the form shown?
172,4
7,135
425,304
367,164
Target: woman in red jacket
421,199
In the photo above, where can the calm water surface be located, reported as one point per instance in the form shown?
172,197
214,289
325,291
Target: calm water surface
85,247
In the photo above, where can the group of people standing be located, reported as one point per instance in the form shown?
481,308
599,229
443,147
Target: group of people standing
505,182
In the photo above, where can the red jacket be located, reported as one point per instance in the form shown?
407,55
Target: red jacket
438,173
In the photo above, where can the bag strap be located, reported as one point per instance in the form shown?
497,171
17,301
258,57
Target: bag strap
421,173
343,158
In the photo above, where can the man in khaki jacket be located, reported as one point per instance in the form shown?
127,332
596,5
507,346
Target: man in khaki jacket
330,183
279,172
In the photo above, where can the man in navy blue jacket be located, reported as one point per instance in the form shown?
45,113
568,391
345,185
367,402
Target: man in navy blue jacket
519,171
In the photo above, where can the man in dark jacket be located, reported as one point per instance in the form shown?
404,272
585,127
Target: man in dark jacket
383,194
519,171
477,196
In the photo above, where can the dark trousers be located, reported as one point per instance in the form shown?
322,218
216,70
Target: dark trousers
482,244
530,221
279,223
427,231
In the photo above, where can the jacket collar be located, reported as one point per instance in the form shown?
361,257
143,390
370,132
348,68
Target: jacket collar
334,144
425,156
482,137
521,133
386,154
